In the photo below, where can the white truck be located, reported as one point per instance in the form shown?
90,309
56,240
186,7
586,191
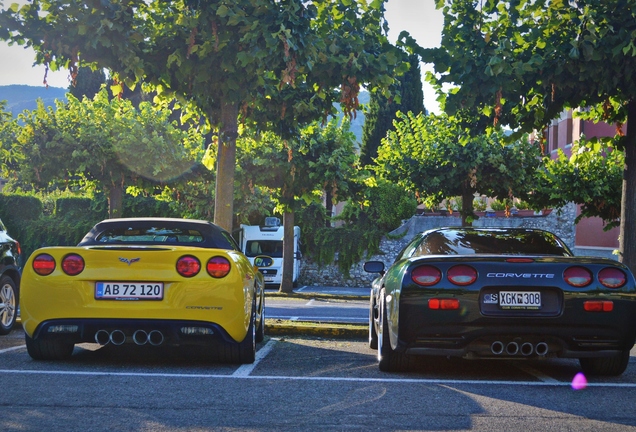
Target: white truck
261,242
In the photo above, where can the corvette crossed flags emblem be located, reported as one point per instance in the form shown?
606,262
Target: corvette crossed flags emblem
129,261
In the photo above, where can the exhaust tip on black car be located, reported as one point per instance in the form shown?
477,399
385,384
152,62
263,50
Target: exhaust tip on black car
497,347
541,349
512,348
526,349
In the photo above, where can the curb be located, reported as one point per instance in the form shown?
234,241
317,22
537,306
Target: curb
324,330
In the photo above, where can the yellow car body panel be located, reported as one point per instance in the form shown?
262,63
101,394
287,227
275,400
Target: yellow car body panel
225,301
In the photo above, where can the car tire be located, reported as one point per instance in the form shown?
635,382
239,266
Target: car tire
9,304
388,359
243,352
605,366
373,335
260,331
51,349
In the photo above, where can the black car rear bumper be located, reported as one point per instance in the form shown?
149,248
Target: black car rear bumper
573,333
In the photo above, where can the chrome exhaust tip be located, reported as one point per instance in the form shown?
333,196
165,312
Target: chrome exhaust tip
526,349
541,349
497,347
155,338
140,337
117,337
512,348
102,337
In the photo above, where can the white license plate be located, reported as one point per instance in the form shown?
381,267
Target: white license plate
129,290
520,299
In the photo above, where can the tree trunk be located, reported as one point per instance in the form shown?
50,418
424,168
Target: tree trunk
467,208
115,201
628,201
287,282
225,165
329,207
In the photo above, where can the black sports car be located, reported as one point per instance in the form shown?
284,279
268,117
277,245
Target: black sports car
501,293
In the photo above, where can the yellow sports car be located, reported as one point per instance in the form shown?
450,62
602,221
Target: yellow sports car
147,281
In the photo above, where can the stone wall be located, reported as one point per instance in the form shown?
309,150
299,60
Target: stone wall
560,222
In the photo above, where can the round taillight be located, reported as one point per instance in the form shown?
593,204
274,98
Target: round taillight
426,275
43,264
218,266
73,264
577,276
188,266
462,275
612,277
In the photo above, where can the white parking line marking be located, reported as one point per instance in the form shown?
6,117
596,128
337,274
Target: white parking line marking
310,302
246,369
12,349
314,378
537,374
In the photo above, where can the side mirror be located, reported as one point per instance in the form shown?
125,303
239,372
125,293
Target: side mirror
263,261
374,267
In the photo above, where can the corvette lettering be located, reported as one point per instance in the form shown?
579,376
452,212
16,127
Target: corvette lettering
521,275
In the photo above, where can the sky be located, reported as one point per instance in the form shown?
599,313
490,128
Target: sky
418,17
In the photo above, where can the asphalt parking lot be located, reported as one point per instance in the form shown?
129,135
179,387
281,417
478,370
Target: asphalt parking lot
300,383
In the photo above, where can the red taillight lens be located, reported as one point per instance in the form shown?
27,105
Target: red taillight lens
218,267
73,264
19,247
577,276
426,275
444,304
598,306
612,277
462,275
188,266
44,264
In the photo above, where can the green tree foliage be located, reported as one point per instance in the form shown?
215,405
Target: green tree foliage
591,177
298,172
380,206
103,144
381,111
436,158
521,63
9,130
87,83
278,63
322,159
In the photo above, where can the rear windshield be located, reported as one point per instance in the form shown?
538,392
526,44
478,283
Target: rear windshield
508,242
155,234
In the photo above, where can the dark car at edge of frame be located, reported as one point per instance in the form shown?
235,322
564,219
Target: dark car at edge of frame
501,293
9,281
